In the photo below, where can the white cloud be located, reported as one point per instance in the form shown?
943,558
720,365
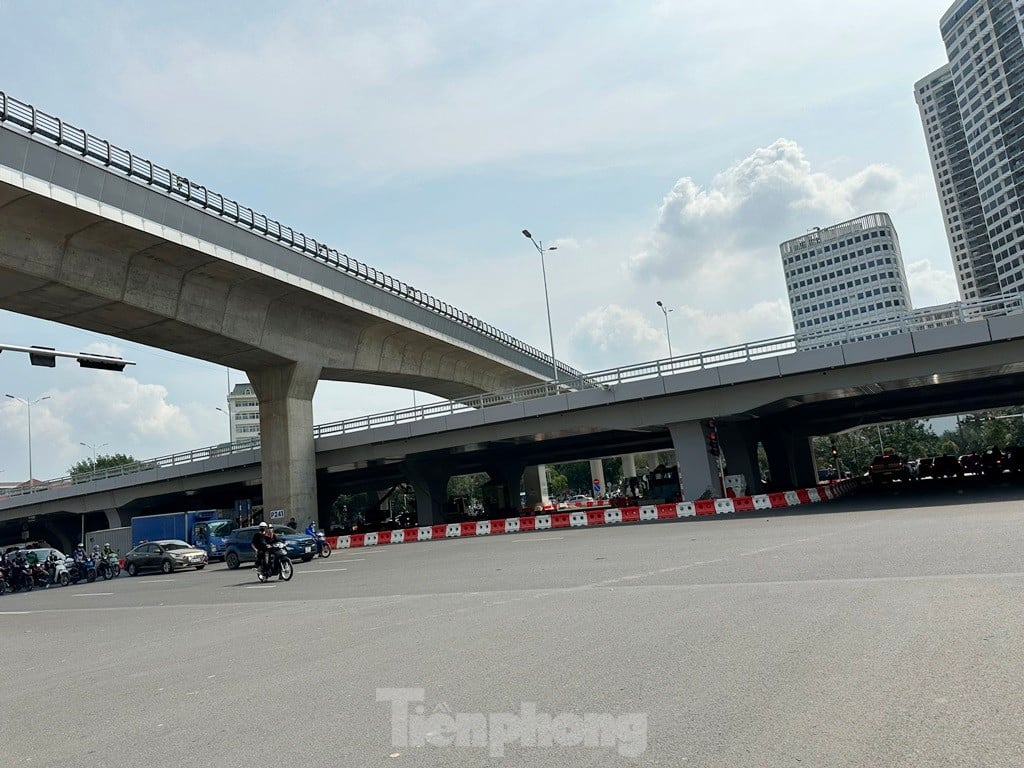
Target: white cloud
930,286
607,336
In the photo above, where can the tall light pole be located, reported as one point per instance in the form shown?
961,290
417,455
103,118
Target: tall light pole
94,449
551,336
28,405
668,333
230,434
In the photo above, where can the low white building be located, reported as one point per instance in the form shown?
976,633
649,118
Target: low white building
843,276
244,412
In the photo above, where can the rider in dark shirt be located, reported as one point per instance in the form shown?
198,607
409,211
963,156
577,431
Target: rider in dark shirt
261,543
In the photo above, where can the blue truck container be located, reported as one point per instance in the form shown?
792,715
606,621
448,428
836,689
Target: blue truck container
204,529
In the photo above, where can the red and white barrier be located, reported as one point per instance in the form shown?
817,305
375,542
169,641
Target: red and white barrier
598,513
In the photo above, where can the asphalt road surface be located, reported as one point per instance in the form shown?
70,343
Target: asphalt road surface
882,630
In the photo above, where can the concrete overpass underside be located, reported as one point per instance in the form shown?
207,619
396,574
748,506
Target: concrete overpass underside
84,245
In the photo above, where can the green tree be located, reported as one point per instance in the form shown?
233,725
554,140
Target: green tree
86,466
468,486
557,482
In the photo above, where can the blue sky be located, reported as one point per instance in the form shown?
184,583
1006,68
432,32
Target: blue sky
667,147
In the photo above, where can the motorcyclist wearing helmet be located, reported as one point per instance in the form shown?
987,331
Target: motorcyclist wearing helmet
261,543
311,530
108,551
79,553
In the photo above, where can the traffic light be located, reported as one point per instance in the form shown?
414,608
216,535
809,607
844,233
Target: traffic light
835,452
101,362
713,447
40,358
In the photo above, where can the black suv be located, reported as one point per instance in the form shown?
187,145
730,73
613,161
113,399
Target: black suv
238,545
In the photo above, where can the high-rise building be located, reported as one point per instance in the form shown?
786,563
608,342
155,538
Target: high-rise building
244,413
972,110
966,230
846,275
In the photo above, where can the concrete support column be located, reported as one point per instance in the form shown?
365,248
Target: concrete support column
790,459
535,483
628,465
286,438
597,484
509,475
429,480
739,448
113,518
698,470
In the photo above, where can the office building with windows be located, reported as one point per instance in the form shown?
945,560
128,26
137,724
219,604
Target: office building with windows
972,110
844,276
244,412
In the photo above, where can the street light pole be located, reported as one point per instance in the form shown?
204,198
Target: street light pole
94,448
668,333
551,336
230,434
28,405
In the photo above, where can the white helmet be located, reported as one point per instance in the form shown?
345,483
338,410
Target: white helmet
264,525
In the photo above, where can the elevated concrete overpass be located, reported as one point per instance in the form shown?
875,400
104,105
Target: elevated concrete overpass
779,400
95,237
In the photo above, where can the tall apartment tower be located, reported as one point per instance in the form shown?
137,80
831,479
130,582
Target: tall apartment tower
972,110
244,412
846,275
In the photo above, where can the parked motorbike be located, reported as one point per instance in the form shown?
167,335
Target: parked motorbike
277,564
323,547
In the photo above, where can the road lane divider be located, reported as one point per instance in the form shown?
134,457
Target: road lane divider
591,518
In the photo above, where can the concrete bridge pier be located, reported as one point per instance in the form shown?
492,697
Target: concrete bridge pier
535,483
286,438
698,469
628,465
510,475
790,458
429,480
597,477
739,448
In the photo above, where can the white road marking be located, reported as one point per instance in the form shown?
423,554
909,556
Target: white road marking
15,613
535,538
326,570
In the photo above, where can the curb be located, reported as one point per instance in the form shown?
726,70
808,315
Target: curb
590,518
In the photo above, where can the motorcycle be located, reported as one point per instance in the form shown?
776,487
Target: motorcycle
77,571
277,564
40,578
20,577
58,572
108,567
323,547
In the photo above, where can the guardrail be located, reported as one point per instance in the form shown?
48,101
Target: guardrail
39,124
955,313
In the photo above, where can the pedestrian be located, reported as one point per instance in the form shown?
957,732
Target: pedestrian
292,524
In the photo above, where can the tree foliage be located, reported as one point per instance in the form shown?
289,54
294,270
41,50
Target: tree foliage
86,466
914,439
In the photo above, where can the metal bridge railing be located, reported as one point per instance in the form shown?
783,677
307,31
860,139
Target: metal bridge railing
38,125
956,313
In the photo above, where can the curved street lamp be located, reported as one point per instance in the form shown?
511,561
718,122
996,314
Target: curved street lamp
668,333
28,405
547,304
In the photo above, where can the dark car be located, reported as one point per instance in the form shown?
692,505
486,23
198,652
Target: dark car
888,467
924,467
238,545
947,466
167,555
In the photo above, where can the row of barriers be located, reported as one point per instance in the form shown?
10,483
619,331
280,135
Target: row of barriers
588,518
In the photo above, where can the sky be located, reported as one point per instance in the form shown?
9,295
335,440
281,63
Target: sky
666,147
